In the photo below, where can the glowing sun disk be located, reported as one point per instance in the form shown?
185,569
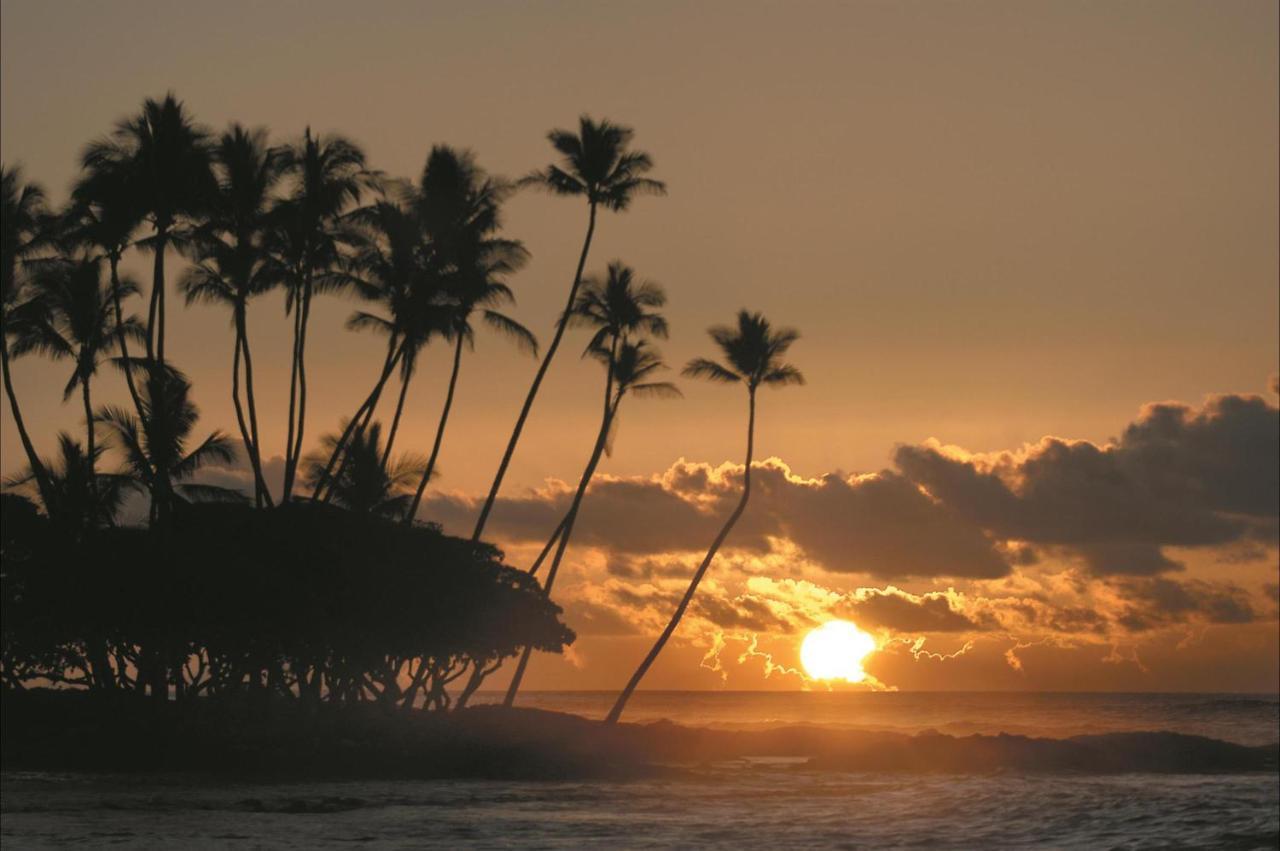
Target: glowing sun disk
835,650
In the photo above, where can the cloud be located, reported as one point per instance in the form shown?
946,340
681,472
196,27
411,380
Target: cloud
1178,476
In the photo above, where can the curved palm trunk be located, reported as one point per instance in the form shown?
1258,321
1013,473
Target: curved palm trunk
395,420
155,319
114,261
435,447
253,410
293,405
37,467
551,542
245,435
356,425
90,435
300,386
567,532
621,704
537,381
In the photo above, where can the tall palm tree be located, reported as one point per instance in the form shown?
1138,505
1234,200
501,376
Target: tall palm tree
77,320
82,497
162,157
232,264
629,365
388,268
476,289
364,483
102,219
329,175
753,353
619,307
23,235
597,166
156,446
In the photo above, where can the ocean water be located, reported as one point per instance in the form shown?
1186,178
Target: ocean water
755,803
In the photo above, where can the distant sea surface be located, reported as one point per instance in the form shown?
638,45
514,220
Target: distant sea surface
765,803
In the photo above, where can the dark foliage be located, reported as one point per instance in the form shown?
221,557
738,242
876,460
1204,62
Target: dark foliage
308,604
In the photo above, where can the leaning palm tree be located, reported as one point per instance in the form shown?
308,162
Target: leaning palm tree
365,483
389,269
630,366
596,165
753,353
23,235
162,157
156,445
82,498
619,308
328,175
77,320
232,265
476,290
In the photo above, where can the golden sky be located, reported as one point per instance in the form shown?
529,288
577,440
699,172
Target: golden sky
992,222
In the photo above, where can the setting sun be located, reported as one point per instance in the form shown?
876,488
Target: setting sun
835,650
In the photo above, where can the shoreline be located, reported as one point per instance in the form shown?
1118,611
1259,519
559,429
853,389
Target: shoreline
64,731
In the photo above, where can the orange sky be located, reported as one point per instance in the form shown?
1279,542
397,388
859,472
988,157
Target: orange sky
991,221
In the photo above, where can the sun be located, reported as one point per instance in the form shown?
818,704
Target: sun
835,650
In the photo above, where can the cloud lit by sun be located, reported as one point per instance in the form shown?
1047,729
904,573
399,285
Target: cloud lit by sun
836,651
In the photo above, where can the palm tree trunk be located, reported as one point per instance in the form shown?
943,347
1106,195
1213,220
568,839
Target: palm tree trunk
37,467
89,434
253,409
405,378
356,425
239,409
537,380
298,390
551,542
567,525
157,295
621,704
435,447
124,345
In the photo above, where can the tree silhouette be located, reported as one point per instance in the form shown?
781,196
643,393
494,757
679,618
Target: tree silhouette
328,175
597,166
630,365
232,264
753,353
72,315
23,234
161,157
83,498
459,206
155,448
365,483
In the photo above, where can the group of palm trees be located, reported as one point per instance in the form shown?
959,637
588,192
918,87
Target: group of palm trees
312,218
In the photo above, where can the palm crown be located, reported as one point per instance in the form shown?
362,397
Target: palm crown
752,352
597,164
619,306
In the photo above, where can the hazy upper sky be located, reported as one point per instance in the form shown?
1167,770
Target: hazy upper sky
991,221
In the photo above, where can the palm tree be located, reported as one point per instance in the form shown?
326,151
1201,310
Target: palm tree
753,353
328,174
155,446
162,159
476,289
389,269
629,365
232,265
596,165
618,307
77,320
82,498
364,483
23,234
103,218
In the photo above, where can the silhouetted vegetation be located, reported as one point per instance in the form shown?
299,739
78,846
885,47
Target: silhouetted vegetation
327,587
306,604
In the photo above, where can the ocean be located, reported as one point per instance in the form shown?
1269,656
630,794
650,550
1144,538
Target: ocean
753,802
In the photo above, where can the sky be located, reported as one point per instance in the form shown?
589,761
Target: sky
1005,231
